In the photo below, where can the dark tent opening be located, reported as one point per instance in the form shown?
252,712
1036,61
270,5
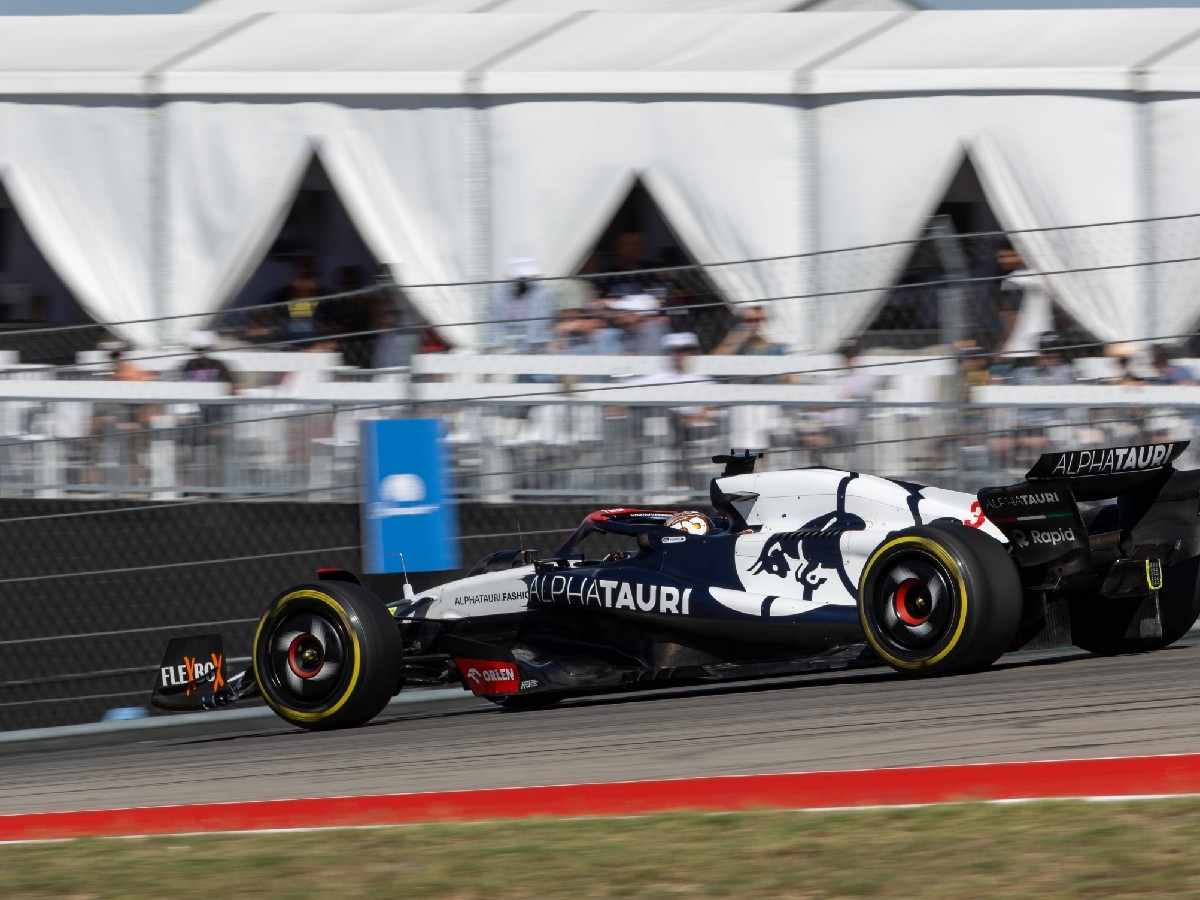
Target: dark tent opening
952,289
640,237
317,253
32,296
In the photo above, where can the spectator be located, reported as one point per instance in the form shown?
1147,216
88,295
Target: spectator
205,368
207,443
522,310
838,428
348,314
627,278
640,319
1167,372
123,427
857,381
1125,424
301,294
1025,311
688,423
1049,369
1125,375
747,337
972,367
396,343
261,327
973,372
680,348
125,367
585,331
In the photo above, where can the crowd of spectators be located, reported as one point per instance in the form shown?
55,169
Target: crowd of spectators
1013,335
367,321
621,303
1011,332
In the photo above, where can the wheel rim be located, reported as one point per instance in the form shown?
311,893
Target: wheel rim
306,658
914,605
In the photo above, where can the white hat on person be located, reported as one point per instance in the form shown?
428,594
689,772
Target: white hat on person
202,340
680,340
635,303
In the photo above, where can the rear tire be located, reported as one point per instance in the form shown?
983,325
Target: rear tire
937,600
327,655
1098,625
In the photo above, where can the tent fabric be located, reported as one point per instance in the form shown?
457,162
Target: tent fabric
1060,161
76,170
60,55
323,55
1171,84
552,199
1175,191
977,50
669,54
236,166
1175,68
456,140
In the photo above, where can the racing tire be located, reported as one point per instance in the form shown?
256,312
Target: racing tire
939,600
327,655
1099,625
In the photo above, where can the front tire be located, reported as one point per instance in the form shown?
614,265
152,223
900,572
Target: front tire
939,600
327,655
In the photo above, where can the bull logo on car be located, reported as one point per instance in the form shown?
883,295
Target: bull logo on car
816,545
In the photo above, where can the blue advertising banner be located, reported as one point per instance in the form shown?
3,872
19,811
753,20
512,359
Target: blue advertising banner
405,499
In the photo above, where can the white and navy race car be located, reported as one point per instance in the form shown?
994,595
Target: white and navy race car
788,571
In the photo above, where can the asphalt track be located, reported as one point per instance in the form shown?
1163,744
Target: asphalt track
1046,705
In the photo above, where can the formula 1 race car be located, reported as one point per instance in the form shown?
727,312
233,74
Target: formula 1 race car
790,570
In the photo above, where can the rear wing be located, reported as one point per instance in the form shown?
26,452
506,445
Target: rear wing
1107,472
1040,516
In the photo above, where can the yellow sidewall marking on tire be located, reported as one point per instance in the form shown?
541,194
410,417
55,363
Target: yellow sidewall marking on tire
297,715
951,565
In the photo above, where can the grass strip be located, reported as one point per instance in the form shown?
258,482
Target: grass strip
1052,849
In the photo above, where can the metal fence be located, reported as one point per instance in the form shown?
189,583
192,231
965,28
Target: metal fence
554,448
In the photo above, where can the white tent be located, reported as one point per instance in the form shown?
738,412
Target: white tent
380,100
153,168
1171,148
1041,103
76,143
717,142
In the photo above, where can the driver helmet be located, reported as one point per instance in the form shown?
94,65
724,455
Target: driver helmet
691,522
